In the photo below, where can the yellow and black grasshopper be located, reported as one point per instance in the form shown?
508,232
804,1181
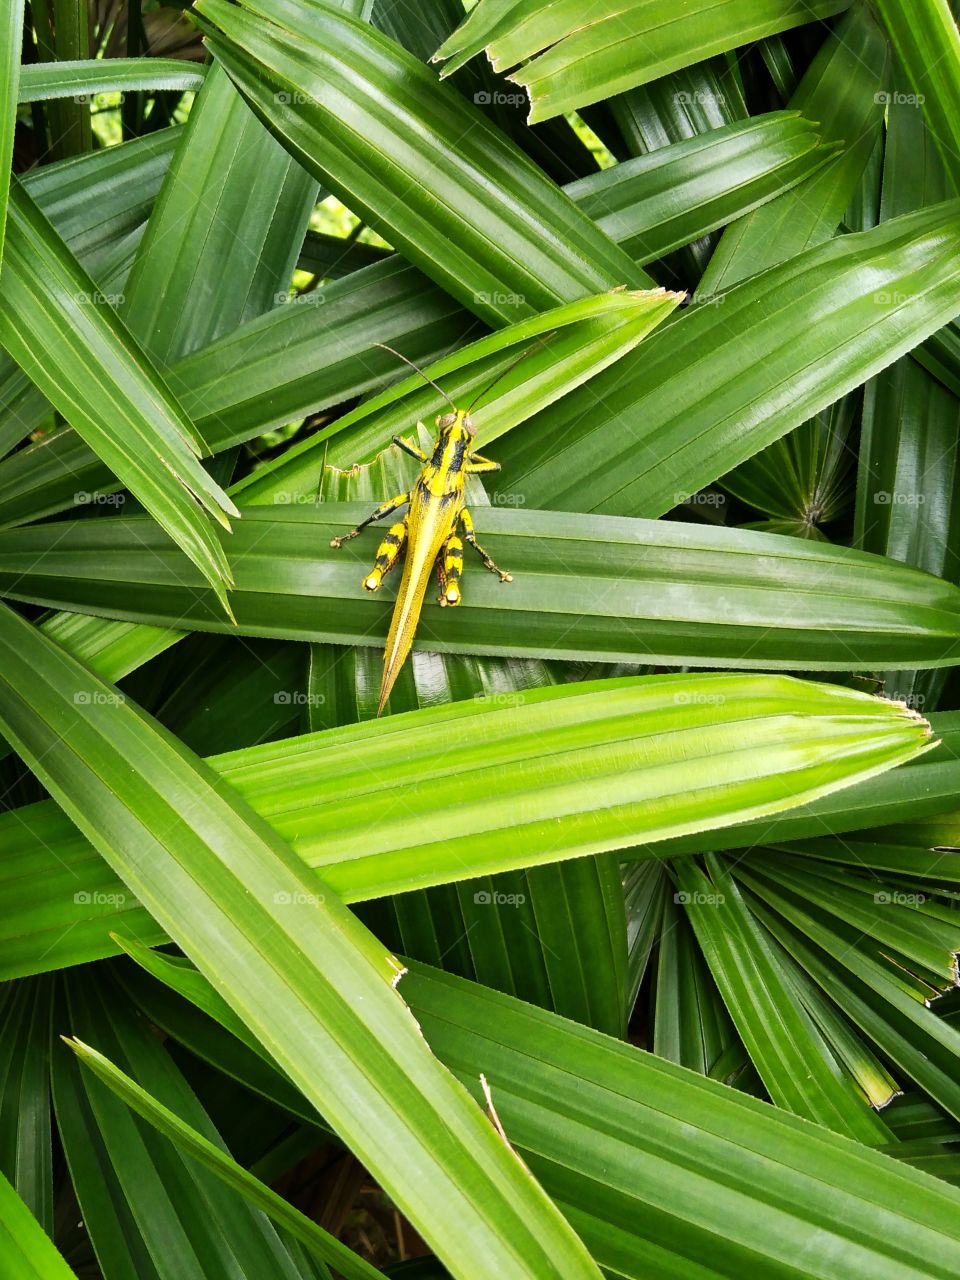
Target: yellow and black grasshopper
429,533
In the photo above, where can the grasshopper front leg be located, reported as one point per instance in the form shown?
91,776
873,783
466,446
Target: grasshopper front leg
412,449
385,509
477,465
470,536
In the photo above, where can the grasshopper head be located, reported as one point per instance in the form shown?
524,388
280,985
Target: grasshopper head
459,419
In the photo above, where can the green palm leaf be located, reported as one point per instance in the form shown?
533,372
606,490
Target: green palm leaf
129,417
83,79
730,376
326,993
149,1212
594,588
926,40
607,1120
210,1155
11,41
570,62
726,245
27,1251
312,73
724,747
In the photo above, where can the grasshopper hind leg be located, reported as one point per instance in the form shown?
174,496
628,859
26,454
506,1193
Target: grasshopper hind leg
450,570
388,553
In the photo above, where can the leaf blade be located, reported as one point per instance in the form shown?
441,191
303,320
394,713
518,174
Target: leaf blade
234,881
595,791
11,43
728,377
574,62
145,437
586,588
321,85
42,81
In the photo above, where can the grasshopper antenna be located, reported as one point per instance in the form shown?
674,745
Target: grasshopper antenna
420,371
510,367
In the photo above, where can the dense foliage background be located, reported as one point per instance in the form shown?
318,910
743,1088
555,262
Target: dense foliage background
658,844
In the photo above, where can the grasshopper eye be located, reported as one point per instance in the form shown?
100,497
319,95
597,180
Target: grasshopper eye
446,419
468,425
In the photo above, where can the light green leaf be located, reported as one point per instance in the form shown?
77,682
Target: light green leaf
554,935
220,880
925,788
573,58
568,345
736,746
25,1249
194,1144
60,329
81,80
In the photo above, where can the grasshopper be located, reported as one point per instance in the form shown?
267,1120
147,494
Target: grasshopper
429,532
